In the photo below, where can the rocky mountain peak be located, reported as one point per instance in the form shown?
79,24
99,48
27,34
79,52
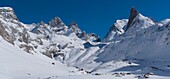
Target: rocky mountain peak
133,14
115,30
74,26
7,12
56,22
134,23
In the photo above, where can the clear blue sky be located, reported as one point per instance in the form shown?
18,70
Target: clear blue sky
91,15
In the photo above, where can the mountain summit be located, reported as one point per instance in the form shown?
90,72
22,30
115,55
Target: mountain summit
135,23
7,12
133,14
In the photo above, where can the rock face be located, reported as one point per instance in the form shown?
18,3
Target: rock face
116,30
8,12
6,35
133,14
121,26
136,22
74,28
56,22
57,26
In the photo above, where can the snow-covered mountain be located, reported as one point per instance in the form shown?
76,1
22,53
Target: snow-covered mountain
138,44
136,47
53,39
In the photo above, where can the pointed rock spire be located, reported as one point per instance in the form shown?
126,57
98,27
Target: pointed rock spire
56,22
133,14
74,27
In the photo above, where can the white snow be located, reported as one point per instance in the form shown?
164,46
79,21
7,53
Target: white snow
7,8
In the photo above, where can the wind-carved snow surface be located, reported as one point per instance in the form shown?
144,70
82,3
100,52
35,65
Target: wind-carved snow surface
137,47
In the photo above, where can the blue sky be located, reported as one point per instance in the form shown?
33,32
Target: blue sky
91,15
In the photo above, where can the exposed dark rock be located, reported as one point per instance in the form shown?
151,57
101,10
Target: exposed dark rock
8,13
53,63
5,35
97,74
56,22
133,14
146,75
75,28
27,48
25,36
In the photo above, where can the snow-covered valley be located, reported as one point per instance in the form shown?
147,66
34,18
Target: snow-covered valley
134,48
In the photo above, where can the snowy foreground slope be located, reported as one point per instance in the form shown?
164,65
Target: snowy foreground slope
17,64
134,48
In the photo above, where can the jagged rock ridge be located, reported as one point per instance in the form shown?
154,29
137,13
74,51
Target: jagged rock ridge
55,39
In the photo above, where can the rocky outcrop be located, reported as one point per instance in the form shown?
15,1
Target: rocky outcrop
82,34
133,14
5,35
8,13
56,22
25,36
73,27
116,30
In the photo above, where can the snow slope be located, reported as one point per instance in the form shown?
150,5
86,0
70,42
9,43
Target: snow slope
17,64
